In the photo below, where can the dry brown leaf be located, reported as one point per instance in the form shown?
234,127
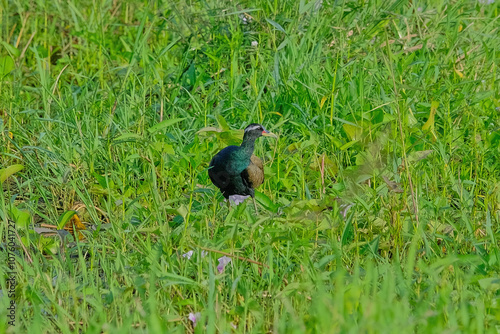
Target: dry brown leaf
74,226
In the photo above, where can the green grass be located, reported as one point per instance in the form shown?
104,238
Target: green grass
393,107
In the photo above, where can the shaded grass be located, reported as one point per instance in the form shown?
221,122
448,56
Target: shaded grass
348,85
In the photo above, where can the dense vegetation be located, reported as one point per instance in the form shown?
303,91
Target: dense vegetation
381,205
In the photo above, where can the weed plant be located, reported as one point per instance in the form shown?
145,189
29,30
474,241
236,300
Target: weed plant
381,205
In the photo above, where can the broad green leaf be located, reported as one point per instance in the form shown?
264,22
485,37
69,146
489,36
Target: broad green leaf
6,65
353,132
133,156
232,137
182,210
126,46
410,118
303,7
164,124
494,138
64,218
209,129
168,47
294,147
283,44
21,217
460,74
373,245
128,137
42,52
276,25
6,172
101,179
222,122
388,118
11,49
324,161
323,100
429,125
48,245
266,202
347,145
163,148
376,28
491,283
174,279
347,233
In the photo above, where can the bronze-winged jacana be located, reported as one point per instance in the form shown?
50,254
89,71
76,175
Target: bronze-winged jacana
235,170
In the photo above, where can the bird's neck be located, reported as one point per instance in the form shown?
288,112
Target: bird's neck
247,146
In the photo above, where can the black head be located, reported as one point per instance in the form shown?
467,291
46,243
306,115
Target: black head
254,131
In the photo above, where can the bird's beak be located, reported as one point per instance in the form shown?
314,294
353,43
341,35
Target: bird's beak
266,133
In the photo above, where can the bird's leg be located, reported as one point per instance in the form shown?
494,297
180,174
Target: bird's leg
255,206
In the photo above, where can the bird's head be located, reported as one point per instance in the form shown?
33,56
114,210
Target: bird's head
254,131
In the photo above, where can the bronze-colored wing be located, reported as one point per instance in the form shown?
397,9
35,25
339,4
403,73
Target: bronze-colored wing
254,172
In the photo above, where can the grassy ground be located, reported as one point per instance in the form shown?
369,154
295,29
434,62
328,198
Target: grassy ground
114,109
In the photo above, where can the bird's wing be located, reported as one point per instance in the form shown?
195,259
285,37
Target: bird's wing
224,160
253,175
257,161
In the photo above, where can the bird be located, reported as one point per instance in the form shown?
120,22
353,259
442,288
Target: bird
236,171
